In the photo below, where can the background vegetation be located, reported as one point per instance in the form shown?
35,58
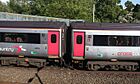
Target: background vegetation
105,10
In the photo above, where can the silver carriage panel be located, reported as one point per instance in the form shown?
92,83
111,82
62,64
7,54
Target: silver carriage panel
107,53
110,52
23,49
89,40
26,49
44,38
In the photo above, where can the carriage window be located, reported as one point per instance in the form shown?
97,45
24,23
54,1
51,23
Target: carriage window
120,41
20,38
100,40
135,41
138,43
14,37
53,38
79,39
0,38
110,40
113,40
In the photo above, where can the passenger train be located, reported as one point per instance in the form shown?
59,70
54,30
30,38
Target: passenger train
31,40
94,46
110,46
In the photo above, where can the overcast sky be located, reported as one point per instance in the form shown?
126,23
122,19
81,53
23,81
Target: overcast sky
4,0
134,1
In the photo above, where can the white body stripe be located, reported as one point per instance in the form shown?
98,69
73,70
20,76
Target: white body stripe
111,32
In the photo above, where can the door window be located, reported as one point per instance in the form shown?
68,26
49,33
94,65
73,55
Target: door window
53,38
79,39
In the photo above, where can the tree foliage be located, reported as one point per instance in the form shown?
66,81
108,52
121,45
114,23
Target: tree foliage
129,6
19,6
3,7
108,10
136,11
72,9
133,12
105,11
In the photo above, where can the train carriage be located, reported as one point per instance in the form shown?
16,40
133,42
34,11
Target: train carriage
32,39
106,45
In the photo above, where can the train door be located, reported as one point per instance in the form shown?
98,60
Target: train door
53,43
78,50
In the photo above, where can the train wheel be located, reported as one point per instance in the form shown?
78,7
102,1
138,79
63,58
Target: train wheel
95,67
134,67
89,67
128,67
107,67
114,67
61,62
117,67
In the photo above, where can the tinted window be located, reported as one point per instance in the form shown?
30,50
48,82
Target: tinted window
135,41
79,39
53,38
20,38
100,40
120,40
34,38
110,40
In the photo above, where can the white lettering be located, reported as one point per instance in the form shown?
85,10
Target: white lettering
7,49
11,49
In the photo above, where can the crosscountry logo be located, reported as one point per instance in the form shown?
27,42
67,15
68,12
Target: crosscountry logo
19,48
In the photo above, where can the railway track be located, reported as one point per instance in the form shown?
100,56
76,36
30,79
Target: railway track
51,75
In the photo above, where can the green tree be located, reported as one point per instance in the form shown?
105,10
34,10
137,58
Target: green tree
19,6
136,11
129,6
3,7
108,10
38,7
72,9
133,12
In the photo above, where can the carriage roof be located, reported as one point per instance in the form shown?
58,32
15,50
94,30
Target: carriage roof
32,24
106,26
